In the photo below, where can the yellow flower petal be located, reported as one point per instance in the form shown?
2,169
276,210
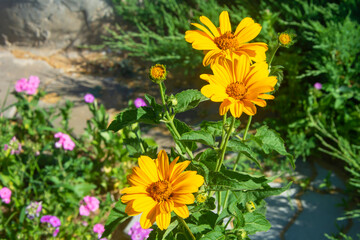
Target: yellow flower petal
166,206
247,30
187,198
181,210
259,102
162,163
163,220
236,109
266,96
148,218
129,209
210,25
225,25
143,203
148,166
134,190
211,56
129,197
178,168
204,29
225,106
249,108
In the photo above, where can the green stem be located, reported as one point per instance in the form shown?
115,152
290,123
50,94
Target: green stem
273,55
186,227
171,122
223,130
224,145
60,165
219,202
238,158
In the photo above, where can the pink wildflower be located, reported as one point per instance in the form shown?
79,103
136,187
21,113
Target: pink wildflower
99,229
139,102
138,233
89,98
29,86
33,209
55,233
88,204
5,195
318,85
55,221
45,218
64,141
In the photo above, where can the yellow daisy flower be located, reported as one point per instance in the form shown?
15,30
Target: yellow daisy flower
222,43
158,188
239,86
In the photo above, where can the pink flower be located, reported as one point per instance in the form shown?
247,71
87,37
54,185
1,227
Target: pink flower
318,85
64,141
88,204
138,233
84,211
5,195
89,98
139,102
92,203
99,229
55,233
45,218
29,86
54,221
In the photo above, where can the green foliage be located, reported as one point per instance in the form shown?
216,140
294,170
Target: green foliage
58,178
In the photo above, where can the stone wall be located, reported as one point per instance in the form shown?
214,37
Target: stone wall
53,23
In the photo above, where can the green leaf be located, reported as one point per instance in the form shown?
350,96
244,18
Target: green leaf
117,216
259,194
83,189
235,211
235,181
216,234
208,157
188,99
201,169
270,140
238,146
215,128
255,222
195,228
130,116
198,136
171,227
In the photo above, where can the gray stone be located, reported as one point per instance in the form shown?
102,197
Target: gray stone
53,23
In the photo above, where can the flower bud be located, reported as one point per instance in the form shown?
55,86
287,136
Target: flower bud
201,197
158,73
286,39
250,206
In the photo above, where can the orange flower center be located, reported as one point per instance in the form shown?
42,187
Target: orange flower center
226,41
236,90
160,190
157,72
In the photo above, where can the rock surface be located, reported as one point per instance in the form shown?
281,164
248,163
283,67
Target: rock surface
53,23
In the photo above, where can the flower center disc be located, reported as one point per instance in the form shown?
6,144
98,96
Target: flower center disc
160,191
226,41
236,90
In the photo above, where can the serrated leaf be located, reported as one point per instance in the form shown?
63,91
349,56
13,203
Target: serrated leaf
255,222
216,234
259,194
188,99
235,181
270,140
237,145
116,217
130,116
195,229
209,157
198,136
